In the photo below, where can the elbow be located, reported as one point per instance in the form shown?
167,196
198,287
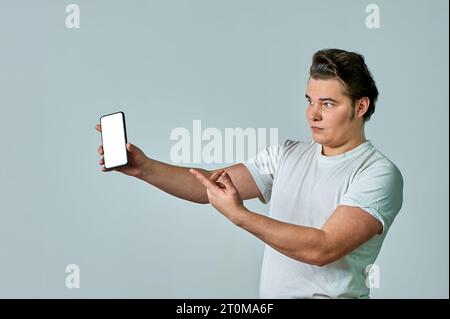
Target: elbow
195,199
201,198
204,200
324,252
200,201
322,262
321,258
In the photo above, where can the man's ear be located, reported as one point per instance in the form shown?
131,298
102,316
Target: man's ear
361,106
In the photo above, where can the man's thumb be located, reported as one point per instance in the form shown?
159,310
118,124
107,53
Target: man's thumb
130,147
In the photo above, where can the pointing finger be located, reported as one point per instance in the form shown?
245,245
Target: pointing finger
213,178
203,179
226,180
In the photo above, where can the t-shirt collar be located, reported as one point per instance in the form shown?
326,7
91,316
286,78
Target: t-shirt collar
349,154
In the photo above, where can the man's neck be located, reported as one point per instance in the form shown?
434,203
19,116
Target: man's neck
341,149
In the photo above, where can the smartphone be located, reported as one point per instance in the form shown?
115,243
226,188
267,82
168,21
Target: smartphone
114,140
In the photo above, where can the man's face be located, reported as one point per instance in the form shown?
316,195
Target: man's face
330,114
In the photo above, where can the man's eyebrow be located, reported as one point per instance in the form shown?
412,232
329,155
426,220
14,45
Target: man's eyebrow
323,99
328,99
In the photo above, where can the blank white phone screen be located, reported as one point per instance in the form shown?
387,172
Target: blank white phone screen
114,140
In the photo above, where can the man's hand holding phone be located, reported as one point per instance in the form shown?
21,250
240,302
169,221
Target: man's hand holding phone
136,159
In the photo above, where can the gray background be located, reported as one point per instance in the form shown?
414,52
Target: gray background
229,64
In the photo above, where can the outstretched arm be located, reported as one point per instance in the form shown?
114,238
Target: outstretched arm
177,180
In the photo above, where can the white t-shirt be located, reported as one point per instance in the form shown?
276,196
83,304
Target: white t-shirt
304,187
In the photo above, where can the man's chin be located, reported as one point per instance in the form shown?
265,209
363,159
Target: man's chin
318,139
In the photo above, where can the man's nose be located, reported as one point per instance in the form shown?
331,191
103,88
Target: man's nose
315,112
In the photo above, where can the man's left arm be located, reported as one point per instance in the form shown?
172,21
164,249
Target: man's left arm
346,229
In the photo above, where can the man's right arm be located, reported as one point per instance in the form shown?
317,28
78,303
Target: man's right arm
179,182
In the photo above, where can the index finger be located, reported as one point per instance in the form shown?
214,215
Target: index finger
98,127
216,175
203,179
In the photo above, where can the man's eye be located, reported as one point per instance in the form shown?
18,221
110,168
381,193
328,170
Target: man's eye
328,105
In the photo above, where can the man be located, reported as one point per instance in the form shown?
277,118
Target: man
332,199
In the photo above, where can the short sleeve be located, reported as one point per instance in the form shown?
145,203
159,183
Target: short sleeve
263,168
379,191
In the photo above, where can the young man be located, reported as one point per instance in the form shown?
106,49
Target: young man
332,199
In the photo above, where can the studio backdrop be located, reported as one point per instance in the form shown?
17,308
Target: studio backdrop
183,71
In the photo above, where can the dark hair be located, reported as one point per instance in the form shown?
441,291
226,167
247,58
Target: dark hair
349,68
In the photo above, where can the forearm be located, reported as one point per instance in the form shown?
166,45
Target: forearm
175,180
305,244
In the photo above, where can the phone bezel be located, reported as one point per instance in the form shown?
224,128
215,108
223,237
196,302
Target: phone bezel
126,140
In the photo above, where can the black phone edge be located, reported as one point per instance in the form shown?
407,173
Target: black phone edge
126,139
